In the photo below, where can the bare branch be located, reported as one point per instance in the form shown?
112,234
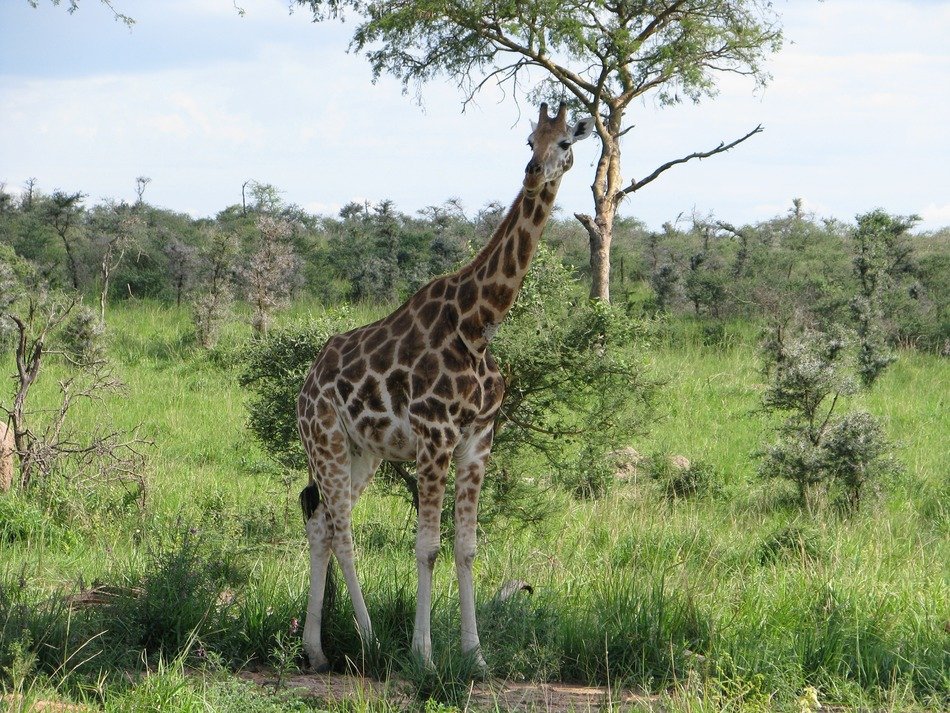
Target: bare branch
721,148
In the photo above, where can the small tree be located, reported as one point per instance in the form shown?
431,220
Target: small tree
115,228
705,284
50,325
212,305
880,253
818,448
269,275
64,211
181,266
664,280
141,183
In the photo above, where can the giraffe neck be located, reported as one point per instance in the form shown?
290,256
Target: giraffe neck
489,285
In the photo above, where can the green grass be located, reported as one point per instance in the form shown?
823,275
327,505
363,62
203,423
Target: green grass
728,601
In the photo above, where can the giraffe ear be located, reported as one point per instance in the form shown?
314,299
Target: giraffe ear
534,126
582,129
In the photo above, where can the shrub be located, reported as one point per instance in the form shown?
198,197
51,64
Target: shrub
679,480
588,476
81,337
21,520
274,368
792,542
212,305
177,596
855,455
818,448
209,312
880,257
573,389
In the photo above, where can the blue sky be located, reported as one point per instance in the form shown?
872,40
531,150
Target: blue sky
201,99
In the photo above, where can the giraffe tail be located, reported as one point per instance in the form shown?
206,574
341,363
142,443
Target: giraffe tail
309,502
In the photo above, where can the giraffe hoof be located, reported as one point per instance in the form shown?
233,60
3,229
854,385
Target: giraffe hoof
479,668
320,668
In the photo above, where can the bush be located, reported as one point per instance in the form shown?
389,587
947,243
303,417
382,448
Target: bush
81,337
573,390
589,476
855,455
817,448
177,597
791,543
274,368
22,521
681,480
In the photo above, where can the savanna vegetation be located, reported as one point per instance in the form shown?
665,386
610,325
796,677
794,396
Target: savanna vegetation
727,489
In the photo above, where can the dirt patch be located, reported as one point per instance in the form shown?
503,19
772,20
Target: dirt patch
554,697
490,695
17,703
333,686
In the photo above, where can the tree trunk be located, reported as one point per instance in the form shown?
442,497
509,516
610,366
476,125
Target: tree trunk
599,233
605,188
106,269
73,266
103,297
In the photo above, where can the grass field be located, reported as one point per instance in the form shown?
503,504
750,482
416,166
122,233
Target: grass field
732,601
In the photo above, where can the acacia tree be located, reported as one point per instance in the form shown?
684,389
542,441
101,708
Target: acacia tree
64,214
269,275
598,55
881,254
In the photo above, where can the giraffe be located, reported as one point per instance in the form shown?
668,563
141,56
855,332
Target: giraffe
421,385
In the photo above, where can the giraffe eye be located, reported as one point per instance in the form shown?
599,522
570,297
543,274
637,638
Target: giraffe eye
565,145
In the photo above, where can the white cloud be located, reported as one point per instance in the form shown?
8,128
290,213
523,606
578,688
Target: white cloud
935,215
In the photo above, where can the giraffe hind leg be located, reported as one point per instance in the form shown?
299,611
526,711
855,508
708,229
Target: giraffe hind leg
319,535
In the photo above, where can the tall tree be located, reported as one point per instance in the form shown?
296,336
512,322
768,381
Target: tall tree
599,55
64,214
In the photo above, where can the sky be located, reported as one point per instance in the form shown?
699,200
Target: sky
201,99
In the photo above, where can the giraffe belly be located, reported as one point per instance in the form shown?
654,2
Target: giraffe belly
385,437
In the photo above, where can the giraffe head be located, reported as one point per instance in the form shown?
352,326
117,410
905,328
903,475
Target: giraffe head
550,141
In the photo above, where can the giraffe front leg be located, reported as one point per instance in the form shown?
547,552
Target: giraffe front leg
432,472
471,462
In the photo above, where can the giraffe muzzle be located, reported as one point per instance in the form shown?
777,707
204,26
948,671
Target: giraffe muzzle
534,176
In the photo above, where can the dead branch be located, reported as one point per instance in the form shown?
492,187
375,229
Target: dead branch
721,148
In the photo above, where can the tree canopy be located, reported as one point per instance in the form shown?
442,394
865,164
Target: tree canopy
598,55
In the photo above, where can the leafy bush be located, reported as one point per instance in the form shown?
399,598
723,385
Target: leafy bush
817,448
177,596
81,337
274,368
856,454
792,542
574,392
589,476
680,480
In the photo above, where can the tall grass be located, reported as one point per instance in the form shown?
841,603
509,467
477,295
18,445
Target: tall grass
735,590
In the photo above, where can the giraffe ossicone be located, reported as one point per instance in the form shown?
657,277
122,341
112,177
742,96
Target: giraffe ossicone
421,385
